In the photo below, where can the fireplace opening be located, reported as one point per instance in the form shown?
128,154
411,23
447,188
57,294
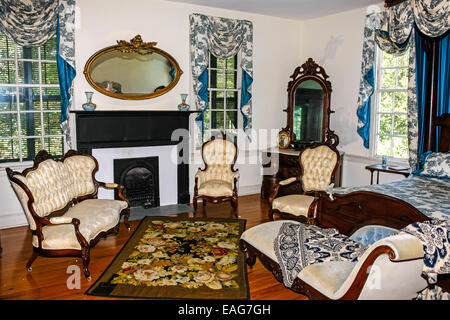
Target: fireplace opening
140,178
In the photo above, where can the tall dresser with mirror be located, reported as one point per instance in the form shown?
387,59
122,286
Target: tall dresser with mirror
308,123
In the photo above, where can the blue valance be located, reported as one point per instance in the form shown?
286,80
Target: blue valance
224,38
392,31
33,23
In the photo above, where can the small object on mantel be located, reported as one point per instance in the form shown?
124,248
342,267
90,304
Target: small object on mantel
89,105
388,168
183,106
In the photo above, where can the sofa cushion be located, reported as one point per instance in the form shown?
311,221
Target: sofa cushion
95,215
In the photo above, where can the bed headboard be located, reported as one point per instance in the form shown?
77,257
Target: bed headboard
430,132
443,122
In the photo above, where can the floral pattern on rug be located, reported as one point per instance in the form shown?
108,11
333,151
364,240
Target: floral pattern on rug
189,254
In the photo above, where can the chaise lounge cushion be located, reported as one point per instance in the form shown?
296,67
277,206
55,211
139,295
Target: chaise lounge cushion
95,215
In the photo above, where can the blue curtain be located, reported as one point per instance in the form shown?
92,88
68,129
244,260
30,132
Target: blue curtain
66,74
364,112
443,103
203,94
423,68
245,95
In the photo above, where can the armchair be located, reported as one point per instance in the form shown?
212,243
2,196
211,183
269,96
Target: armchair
59,199
217,182
318,164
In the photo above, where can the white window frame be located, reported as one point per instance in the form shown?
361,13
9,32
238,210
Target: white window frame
18,112
238,70
375,104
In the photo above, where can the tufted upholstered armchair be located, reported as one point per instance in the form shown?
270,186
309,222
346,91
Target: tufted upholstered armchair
389,269
59,199
217,182
318,165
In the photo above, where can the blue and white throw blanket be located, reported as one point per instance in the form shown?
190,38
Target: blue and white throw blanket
435,238
299,245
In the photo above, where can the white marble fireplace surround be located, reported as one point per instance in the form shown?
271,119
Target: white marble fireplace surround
168,178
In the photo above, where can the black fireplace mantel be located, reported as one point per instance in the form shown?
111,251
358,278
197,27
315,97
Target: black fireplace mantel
119,129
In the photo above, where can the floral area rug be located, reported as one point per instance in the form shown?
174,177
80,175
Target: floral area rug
178,258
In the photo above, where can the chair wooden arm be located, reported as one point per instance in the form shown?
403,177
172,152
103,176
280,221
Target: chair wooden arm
54,221
119,188
280,184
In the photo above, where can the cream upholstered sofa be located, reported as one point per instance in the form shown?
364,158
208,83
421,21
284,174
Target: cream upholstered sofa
59,199
318,165
218,180
390,268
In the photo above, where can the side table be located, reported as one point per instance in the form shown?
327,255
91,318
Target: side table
390,169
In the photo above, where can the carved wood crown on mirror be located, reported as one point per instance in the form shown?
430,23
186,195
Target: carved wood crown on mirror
308,111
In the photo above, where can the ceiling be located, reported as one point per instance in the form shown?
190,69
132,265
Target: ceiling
289,9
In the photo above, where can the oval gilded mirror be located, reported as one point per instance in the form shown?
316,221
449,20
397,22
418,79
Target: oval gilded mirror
134,70
308,111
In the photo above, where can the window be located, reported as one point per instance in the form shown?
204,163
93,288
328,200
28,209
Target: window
391,105
30,101
223,113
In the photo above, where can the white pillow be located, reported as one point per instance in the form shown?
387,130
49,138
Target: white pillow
437,164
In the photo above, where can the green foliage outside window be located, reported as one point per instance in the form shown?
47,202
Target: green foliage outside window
30,101
392,106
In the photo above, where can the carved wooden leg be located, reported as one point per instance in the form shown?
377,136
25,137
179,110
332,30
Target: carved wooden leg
125,219
86,259
31,260
204,202
250,258
270,214
194,202
234,204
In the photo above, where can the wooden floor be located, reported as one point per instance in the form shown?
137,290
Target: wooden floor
48,278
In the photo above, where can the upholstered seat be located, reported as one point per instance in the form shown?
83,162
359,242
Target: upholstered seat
391,266
215,188
295,204
318,166
95,215
217,182
59,199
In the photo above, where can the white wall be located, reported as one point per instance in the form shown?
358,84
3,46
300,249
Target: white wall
335,42
101,23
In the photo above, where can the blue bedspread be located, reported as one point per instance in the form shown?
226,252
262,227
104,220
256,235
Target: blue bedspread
431,196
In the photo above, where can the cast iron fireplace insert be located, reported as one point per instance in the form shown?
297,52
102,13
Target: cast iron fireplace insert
140,177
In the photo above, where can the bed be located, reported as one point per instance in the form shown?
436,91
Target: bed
415,199
350,210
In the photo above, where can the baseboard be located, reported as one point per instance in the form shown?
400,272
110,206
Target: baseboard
248,190
13,220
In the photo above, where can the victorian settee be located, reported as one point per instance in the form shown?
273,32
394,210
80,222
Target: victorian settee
59,199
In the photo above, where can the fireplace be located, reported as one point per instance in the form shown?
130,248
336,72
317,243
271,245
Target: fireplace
140,177
120,135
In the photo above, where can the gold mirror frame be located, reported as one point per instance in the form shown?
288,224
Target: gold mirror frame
135,45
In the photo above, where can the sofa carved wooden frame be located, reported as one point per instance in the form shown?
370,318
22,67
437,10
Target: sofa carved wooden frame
310,215
233,198
43,221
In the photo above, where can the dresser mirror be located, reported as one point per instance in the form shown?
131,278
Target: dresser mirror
134,70
308,111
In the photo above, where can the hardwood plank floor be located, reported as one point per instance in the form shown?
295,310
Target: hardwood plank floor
48,279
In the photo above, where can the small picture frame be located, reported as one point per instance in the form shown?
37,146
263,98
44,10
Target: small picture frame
283,139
